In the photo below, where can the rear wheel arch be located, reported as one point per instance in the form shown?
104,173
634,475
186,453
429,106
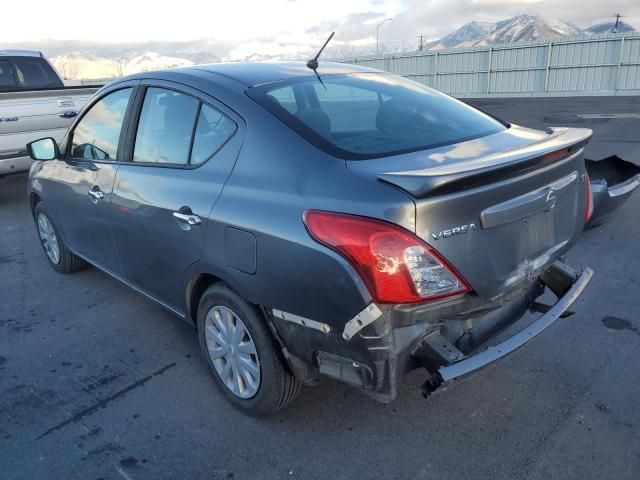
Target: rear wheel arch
195,289
198,283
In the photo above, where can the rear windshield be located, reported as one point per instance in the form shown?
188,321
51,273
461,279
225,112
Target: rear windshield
370,115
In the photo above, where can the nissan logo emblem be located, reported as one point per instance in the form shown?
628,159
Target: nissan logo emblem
551,199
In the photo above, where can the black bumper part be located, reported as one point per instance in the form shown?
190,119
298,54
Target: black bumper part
613,180
473,363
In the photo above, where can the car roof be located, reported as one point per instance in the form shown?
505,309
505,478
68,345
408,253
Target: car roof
252,74
20,53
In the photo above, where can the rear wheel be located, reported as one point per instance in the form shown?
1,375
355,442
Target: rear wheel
59,256
242,354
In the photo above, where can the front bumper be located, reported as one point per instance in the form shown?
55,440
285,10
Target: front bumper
449,339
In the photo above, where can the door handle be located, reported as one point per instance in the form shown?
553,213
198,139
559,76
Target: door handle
68,114
96,194
188,218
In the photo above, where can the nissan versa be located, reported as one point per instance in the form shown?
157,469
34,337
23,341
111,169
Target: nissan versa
330,220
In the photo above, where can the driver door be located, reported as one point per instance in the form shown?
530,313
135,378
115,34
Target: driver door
86,176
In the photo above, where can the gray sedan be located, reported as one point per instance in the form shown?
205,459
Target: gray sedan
339,221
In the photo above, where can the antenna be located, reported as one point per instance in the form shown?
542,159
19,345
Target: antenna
313,63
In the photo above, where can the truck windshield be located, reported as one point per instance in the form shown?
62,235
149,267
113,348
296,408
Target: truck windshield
370,115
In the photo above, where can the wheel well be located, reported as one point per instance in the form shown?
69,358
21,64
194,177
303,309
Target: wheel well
34,199
196,288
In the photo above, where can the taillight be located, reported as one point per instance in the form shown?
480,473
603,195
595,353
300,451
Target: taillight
395,265
589,208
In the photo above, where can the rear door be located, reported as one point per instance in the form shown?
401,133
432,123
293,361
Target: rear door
182,151
81,192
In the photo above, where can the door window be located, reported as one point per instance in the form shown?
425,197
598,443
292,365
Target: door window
213,130
34,72
97,135
165,128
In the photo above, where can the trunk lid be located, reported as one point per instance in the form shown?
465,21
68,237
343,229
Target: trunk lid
498,208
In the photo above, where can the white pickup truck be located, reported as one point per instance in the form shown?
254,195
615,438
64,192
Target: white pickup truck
34,103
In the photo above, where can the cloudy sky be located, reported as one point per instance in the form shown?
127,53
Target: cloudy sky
242,27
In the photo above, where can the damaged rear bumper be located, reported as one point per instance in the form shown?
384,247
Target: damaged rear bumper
496,352
449,339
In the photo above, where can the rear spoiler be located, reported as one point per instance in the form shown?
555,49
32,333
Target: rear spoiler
498,166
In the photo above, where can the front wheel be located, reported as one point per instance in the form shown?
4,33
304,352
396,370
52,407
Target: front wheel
242,354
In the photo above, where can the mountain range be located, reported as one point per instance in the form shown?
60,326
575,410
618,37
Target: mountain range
106,63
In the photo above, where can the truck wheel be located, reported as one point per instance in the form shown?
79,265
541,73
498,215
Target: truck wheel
59,256
242,354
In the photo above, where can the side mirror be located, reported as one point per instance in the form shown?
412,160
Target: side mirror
43,149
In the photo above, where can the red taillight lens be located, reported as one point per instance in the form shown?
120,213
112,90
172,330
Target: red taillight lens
589,208
395,265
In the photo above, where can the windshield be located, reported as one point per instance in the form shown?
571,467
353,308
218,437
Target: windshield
370,115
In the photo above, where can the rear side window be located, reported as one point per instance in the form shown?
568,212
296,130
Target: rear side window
34,72
97,135
371,115
165,127
177,129
212,132
7,80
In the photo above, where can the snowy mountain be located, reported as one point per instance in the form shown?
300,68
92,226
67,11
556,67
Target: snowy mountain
608,28
527,28
82,65
106,62
147,61
465,36
86,65
521,28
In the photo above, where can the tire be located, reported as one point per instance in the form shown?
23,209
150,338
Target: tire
276,386
64,261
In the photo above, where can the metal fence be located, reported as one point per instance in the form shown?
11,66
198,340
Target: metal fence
606,64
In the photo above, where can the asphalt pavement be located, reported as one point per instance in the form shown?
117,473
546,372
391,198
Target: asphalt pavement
97,382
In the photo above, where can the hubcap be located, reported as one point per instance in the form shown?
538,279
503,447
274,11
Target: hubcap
232,351
48,238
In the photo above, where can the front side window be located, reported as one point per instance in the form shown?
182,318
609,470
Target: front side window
97,135
165,127
7,80
371,115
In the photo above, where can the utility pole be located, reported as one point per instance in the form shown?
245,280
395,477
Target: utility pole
618,17
119,62
421,44
378,34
